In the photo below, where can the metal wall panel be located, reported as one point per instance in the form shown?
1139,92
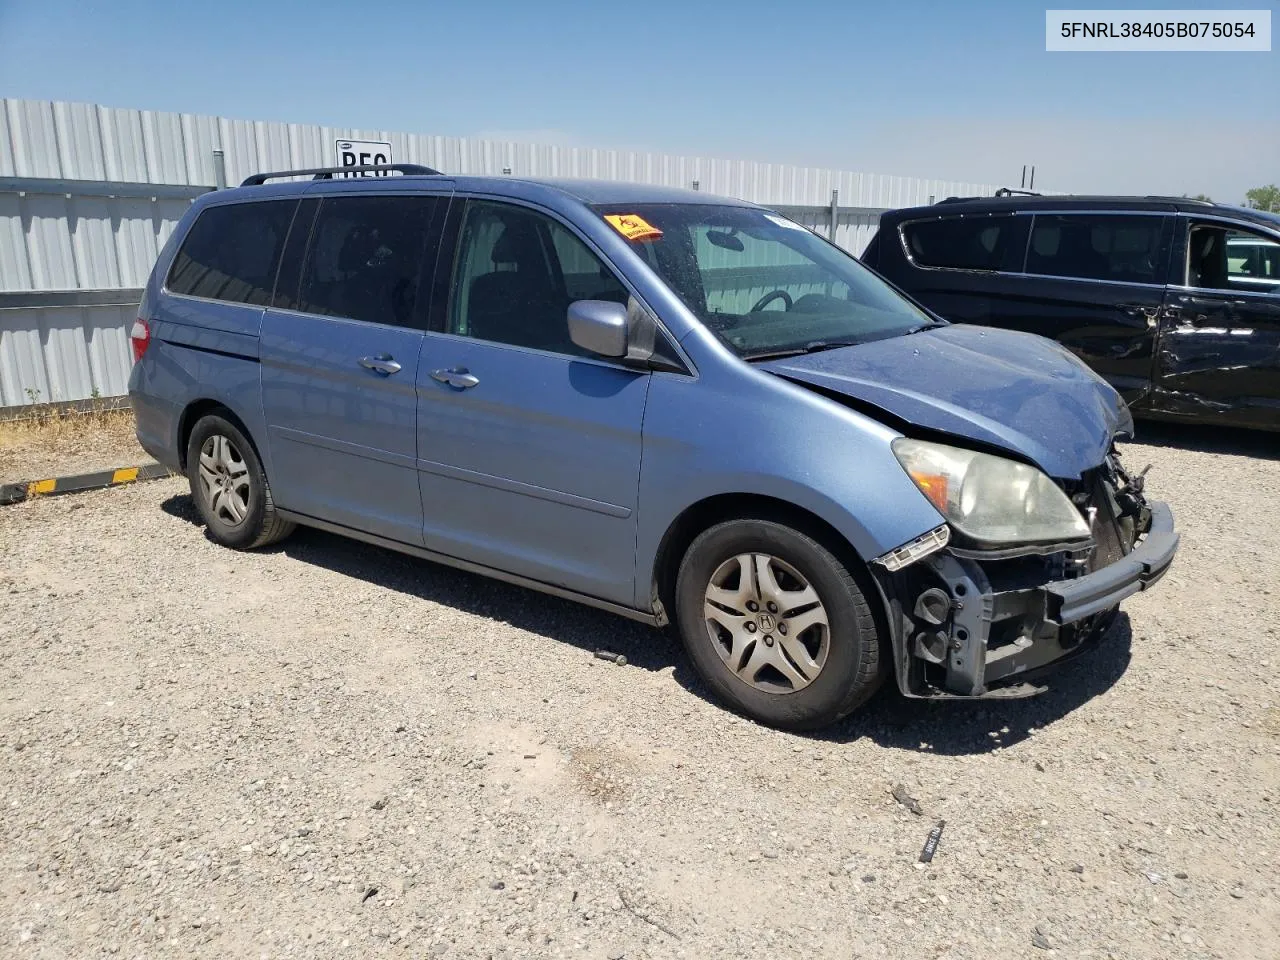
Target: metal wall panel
51,354
86,142
49,241
15,263
54,242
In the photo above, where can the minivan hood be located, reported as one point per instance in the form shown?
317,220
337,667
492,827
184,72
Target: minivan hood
1007,389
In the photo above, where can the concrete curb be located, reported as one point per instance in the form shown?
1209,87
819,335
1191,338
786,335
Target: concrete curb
52,487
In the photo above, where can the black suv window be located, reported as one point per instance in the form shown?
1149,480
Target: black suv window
1130,249
977,242
517,271
365,258
1219,258
231,252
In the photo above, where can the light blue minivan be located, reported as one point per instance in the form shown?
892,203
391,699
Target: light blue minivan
676,407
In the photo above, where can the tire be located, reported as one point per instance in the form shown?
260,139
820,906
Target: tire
812,676
230,488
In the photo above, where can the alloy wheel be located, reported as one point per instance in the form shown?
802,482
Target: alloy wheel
224,475
767,622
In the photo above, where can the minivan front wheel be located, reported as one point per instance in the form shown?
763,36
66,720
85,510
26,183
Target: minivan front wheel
776,625
229,487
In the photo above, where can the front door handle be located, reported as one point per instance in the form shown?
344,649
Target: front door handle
460,378
382,363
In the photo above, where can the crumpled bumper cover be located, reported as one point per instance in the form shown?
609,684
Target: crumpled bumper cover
1004,625
1071,600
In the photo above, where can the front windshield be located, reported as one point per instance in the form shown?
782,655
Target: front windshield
763,284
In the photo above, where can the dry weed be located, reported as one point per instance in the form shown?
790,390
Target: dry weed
55,440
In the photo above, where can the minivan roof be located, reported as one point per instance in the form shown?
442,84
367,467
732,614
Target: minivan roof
1089,202
616,191
585,191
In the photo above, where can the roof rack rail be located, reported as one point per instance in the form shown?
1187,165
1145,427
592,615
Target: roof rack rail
326,173
1010,192
1153,196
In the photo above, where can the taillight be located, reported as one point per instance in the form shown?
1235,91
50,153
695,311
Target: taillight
139,338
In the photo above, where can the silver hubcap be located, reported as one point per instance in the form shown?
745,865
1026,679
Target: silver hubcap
767,623
225,478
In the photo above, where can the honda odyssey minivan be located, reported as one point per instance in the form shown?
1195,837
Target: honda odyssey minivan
679,408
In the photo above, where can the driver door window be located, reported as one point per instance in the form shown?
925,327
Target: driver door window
1219,258
517,272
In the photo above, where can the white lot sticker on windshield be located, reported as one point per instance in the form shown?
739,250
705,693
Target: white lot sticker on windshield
783,222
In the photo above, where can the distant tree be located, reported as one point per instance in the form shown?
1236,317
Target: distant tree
1264,198
1203,196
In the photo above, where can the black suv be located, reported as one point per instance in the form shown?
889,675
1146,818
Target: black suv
1176,302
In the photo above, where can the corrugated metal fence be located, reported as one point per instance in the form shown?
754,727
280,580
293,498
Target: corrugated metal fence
89,194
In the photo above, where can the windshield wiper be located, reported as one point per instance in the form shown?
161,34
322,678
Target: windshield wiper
931,325
817,346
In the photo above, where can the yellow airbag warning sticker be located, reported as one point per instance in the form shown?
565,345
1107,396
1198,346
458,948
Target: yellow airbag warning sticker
632,227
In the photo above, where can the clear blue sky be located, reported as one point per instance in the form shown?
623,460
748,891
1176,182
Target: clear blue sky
943,89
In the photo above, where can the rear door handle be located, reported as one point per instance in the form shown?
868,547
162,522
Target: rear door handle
1145,312
382,363
460,378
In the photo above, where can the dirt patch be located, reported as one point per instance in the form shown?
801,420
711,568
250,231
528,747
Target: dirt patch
601,774
62,444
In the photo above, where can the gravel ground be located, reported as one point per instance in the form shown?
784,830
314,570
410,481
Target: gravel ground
325,749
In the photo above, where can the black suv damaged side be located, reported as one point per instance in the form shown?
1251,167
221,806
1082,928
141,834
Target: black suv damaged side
1176,302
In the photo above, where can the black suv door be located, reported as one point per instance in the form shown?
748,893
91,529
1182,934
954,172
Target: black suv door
1219,349
1093,281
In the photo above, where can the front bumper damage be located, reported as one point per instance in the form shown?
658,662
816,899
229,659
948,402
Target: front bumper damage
968,627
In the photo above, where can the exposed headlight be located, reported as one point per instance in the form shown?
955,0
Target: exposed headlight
989,499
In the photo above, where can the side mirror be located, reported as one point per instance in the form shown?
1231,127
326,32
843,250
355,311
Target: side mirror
599,326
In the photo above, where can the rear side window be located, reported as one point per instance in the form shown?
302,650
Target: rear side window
1129,249
967,243
232,251
366,257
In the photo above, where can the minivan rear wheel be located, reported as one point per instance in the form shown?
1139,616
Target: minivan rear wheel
229,487
776,625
